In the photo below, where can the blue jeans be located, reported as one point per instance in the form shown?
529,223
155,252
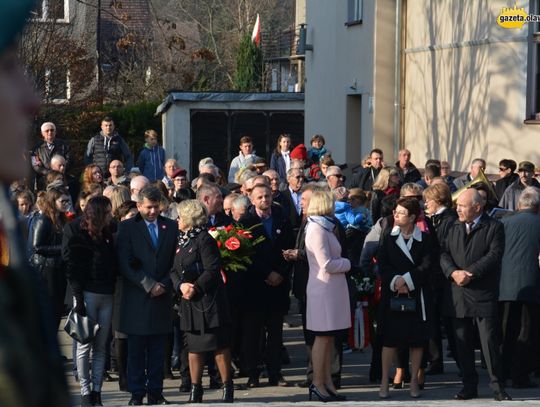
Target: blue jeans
146,354
99,307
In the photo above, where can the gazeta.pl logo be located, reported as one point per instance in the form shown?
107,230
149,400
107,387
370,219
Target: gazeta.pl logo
515,17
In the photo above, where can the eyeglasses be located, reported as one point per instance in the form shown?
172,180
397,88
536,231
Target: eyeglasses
502,169
400,213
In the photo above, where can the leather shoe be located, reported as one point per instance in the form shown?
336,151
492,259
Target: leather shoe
253,382
278,380
185,386
135,401
466,394
159,400
501,395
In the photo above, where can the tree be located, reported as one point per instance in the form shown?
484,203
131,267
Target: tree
249,66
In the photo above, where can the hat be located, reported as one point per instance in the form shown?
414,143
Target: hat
179,172
13,15
333,170
299,153
526,166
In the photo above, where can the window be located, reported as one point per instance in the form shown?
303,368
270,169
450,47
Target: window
51,10
533,68
54,85
354,12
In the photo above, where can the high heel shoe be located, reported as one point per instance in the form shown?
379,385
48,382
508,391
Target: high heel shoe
384,393
314,390
228,392
196,393
335,396
414,390
397,386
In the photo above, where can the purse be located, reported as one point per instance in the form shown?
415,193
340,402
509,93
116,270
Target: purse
403,303
81,327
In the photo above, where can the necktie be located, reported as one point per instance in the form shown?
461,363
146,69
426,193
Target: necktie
469,226
153,233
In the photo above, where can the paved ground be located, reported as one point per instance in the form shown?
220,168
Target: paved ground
355,385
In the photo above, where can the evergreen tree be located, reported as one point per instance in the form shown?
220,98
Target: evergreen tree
248,66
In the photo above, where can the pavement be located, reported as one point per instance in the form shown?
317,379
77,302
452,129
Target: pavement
439,389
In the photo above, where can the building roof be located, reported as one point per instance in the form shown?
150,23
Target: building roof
220,97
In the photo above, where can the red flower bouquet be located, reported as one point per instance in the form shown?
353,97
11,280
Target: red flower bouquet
236,246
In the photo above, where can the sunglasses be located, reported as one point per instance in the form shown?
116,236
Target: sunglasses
502,169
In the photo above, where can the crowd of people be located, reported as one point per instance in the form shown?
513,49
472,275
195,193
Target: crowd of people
132,250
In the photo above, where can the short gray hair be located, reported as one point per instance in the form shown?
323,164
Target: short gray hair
411,187
58,157
48,124
529,198
212,167
207,190
293,171
192,213
241,201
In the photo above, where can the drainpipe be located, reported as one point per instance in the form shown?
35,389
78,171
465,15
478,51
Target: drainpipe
397,79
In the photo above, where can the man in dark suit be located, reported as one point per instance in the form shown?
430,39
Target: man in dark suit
146,247
266,286
365,177
292,196
211,197
471,261
519,289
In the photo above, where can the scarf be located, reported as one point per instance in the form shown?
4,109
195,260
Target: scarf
185,237
326,222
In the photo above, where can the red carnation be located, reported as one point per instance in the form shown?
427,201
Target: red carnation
232,243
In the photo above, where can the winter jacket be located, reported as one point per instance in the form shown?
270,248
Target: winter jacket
151,162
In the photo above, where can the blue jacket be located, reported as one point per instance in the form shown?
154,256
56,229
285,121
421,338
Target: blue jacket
346,216
151,162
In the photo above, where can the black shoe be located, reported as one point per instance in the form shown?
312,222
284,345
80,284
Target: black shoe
214,384
314,390
135,401
96,398
185,386
86,400
435,368
466,394
335,396
159,400
196,393
501,395
337,382
107,377
253,382
228,392
526,384
397,385
304,384
278,380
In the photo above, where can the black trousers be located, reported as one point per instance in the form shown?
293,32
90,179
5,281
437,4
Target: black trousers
520,338
488,331
254,326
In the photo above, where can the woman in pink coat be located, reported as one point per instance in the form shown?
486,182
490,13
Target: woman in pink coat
328,310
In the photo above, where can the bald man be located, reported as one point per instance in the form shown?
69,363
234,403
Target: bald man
471,261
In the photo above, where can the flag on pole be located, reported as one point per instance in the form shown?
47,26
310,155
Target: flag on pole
256,35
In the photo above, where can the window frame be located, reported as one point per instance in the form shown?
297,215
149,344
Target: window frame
355,12
44,17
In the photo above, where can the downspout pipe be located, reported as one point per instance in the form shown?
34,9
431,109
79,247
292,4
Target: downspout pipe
397,80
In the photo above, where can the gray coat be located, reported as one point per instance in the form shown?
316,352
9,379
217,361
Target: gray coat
520,273
142,267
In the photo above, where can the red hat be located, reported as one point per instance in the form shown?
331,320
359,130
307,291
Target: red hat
179,172
299,153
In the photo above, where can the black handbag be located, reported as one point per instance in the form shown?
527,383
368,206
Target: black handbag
403,303
81,327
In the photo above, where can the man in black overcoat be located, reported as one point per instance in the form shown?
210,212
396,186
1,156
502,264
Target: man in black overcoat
266,286
146,248
519,293
471,261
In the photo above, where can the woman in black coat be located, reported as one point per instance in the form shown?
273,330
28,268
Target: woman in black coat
405,263
46,241
91,267
204,309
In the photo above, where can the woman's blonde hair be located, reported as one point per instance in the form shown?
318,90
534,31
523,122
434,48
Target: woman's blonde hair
381,182
321,204
192,213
